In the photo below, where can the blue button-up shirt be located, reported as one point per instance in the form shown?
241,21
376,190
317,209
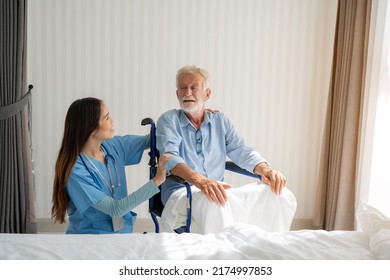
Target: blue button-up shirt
175,134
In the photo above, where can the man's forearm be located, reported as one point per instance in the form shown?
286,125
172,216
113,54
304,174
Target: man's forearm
183,171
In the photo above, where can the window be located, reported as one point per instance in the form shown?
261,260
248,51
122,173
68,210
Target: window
375,189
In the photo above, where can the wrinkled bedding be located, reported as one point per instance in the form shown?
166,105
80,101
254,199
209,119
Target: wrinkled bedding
237,241
253,204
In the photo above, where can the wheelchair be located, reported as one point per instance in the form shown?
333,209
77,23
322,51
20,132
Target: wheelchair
156,206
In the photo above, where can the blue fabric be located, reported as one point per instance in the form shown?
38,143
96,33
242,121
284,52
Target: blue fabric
168,188
86,188
175,134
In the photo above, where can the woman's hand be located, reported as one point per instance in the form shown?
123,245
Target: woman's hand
161,170
208,110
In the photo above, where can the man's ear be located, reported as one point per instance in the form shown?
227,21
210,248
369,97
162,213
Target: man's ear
208,94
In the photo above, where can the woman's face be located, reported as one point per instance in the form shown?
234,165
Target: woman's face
106,124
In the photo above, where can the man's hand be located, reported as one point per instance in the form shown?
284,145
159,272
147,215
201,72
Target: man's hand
273,178
214,190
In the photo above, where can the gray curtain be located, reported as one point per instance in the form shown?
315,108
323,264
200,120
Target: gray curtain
17,203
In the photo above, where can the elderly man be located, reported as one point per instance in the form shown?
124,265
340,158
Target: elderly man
199,141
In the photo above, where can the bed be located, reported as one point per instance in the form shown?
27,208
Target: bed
236,242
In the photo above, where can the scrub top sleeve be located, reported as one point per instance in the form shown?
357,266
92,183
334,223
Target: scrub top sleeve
147,142
83,191
131,147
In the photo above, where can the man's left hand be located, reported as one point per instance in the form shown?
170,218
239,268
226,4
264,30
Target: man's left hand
274,178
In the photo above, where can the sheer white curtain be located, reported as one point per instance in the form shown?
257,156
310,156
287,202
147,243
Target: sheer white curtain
375,160
379,193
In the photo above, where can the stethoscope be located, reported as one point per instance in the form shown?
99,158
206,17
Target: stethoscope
107,158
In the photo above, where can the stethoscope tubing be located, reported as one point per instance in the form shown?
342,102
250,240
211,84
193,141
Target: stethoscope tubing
107,158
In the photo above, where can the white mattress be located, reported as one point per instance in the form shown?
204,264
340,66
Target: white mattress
238,241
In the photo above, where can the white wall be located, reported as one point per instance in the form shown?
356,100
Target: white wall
269,61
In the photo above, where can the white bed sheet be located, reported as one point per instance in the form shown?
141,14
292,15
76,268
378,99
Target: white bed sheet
238,241
253,203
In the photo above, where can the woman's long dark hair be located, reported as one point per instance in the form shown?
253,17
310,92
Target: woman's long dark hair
82,119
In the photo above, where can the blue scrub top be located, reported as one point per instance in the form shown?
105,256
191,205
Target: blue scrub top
85,187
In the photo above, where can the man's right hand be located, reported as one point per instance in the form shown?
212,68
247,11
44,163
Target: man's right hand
214,190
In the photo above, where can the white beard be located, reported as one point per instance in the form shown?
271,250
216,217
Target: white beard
191,107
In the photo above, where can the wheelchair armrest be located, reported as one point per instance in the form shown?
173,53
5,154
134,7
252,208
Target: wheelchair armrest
231,166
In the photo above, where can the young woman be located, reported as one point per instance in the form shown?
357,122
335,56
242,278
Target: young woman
90,181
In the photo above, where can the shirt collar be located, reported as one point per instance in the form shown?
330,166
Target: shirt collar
184,121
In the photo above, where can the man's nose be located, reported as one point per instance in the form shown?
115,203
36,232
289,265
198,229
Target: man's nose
187,92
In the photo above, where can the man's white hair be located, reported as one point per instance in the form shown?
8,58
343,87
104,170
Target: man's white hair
192,69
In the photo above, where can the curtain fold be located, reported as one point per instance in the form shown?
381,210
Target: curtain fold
17,203
337,178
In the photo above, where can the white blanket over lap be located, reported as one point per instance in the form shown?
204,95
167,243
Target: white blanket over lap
253,204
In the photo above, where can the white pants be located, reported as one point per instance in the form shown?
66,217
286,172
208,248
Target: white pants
253,204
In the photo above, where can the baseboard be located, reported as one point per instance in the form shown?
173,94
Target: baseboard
299,224
146,225
48,226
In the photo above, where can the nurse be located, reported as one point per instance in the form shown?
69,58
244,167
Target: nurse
90,182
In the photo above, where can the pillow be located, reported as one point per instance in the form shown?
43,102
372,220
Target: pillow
370,220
